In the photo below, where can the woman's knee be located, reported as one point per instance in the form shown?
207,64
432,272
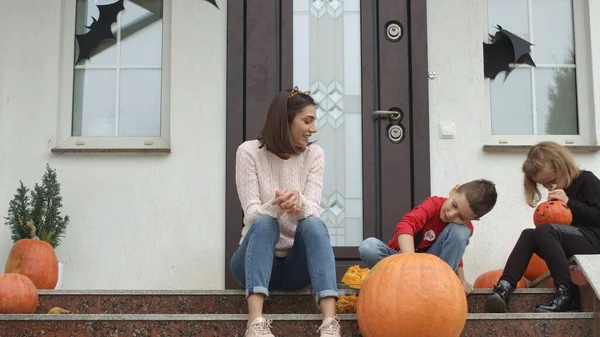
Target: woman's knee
264,225
313,226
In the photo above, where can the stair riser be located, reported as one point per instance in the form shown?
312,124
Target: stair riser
530,328
236,304
473,328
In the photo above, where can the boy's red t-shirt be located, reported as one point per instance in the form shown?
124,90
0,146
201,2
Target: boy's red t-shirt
424,224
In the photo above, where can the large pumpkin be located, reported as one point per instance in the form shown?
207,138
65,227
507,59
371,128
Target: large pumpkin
411,295
536,268
35,259
489,279
554,212
18,295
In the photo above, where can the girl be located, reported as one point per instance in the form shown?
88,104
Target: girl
552,166
284,245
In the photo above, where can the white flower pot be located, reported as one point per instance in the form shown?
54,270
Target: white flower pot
60,271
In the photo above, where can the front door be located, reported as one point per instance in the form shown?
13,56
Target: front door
365,63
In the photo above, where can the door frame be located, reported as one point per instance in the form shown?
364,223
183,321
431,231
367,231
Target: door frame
250,85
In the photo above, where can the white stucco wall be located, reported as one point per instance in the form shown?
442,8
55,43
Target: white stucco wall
455,33
157,221
137,221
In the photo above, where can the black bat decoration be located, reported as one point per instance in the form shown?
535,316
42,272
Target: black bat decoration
214,2
506,48
99,29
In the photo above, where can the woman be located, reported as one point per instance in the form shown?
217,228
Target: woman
284,245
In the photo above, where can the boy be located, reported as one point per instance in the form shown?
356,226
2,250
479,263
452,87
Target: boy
439,226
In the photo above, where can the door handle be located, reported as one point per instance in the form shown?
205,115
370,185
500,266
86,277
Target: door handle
389,114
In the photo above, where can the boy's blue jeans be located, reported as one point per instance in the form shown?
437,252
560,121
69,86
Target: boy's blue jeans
310,261
450,247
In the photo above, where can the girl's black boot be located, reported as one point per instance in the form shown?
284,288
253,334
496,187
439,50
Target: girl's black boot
565,299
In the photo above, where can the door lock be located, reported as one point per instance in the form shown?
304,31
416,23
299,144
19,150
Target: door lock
395,133
394,31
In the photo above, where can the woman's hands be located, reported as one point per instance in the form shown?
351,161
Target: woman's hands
288,200
558,194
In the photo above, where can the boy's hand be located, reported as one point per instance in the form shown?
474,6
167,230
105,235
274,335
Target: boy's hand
467,287
406,243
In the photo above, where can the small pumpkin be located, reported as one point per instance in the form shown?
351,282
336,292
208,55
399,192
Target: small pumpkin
488,279
554,212
18,295
355,276
411,294
35,259
536,268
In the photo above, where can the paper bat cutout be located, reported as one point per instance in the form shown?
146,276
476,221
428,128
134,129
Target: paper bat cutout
214,2
506,48
99,29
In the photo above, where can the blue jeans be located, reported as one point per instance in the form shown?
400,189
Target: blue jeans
310,261
450,247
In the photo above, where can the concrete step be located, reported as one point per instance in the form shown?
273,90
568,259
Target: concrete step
289,325
234,302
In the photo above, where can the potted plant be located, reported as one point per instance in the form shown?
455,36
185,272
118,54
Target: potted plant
35,214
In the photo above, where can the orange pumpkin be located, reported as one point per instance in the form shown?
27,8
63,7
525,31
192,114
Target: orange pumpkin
411,294
554,212
488,279
18,294
35,259
536,268
577,277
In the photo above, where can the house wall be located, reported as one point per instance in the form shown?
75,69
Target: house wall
457,95
157,221
145,221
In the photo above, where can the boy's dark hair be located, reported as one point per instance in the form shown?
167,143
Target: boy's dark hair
275,134
481,195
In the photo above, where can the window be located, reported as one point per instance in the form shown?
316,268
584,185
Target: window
549,101
118,98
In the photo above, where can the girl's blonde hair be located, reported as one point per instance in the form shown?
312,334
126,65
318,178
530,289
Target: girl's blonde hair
557,158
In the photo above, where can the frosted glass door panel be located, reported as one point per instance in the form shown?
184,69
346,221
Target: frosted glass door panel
327,61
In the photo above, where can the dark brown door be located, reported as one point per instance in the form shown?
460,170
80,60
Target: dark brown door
366,64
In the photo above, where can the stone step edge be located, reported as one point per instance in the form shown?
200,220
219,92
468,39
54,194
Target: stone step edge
234,292
281,317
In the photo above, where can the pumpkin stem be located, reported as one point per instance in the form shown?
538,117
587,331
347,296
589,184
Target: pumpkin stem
32,227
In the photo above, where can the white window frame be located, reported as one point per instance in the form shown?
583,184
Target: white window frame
64,139
585,103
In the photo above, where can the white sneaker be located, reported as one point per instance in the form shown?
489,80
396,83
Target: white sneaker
331,327
260,327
